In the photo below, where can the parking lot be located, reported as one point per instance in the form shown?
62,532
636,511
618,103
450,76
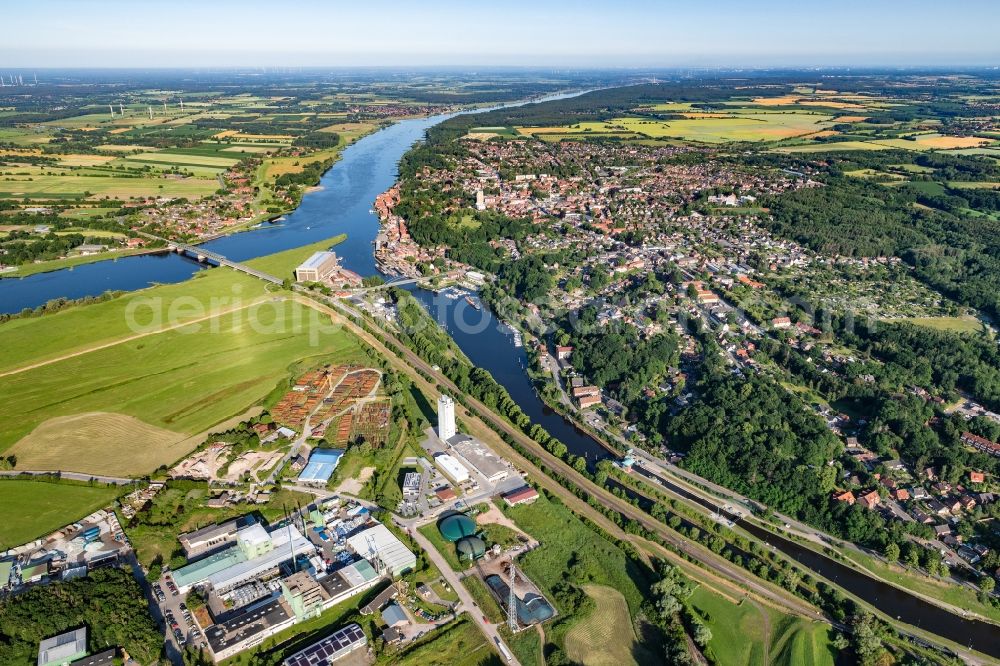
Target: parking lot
182,629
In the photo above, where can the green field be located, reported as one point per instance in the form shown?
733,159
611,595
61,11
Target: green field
565,542
178,381
605,637
733,125
71,186
744,634
35,508
958,324
459,644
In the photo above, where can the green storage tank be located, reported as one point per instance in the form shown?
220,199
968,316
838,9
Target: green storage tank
456,526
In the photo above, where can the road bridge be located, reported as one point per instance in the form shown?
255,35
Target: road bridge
207,256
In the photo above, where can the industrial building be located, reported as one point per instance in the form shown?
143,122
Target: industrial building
381,547
321,464
331,648
318,267
64,648
250,626
453,469
255,553
212,537
446,417
480,458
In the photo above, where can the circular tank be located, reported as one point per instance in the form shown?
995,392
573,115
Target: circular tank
471,548
456,526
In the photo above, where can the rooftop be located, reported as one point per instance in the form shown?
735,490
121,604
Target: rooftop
63,648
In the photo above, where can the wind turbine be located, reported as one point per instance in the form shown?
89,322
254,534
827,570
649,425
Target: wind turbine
150,112
121,108
164,107
112,109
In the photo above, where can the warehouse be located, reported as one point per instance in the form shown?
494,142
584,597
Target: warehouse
480,458
64,648
453,469
381,547
318,267
321,464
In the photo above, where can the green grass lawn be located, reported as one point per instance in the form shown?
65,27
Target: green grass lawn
957,324
918,583
32,509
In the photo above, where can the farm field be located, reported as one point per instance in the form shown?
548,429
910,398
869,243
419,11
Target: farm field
71,186
184,380
36,508
605,637
735,125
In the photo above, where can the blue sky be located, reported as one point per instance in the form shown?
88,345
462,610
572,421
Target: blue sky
630,33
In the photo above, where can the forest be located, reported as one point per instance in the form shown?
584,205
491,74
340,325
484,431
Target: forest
109,602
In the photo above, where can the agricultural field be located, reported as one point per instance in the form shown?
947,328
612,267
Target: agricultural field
97,187
177,380
36,508
735,125
606,636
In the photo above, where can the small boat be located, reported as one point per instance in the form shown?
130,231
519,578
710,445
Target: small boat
468,299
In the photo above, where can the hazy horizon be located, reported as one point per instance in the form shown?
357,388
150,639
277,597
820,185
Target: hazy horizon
558,34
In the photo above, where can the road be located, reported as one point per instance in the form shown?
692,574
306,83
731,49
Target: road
466,602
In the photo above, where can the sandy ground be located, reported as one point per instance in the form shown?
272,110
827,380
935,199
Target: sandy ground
354,486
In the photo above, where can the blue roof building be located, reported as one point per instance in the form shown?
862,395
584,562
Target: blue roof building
321,464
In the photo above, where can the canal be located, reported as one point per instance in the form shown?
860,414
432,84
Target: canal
342,205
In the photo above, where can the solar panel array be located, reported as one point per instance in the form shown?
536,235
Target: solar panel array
330,648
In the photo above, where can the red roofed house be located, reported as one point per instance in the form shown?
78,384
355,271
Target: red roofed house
563,352
902,494
781,322
870,500
977,477
846,496
589,401
524,495
445,494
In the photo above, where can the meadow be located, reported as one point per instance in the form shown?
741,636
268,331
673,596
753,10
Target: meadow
605,637
745,634
35,508
177,376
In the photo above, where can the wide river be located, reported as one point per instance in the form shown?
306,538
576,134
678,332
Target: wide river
348,190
